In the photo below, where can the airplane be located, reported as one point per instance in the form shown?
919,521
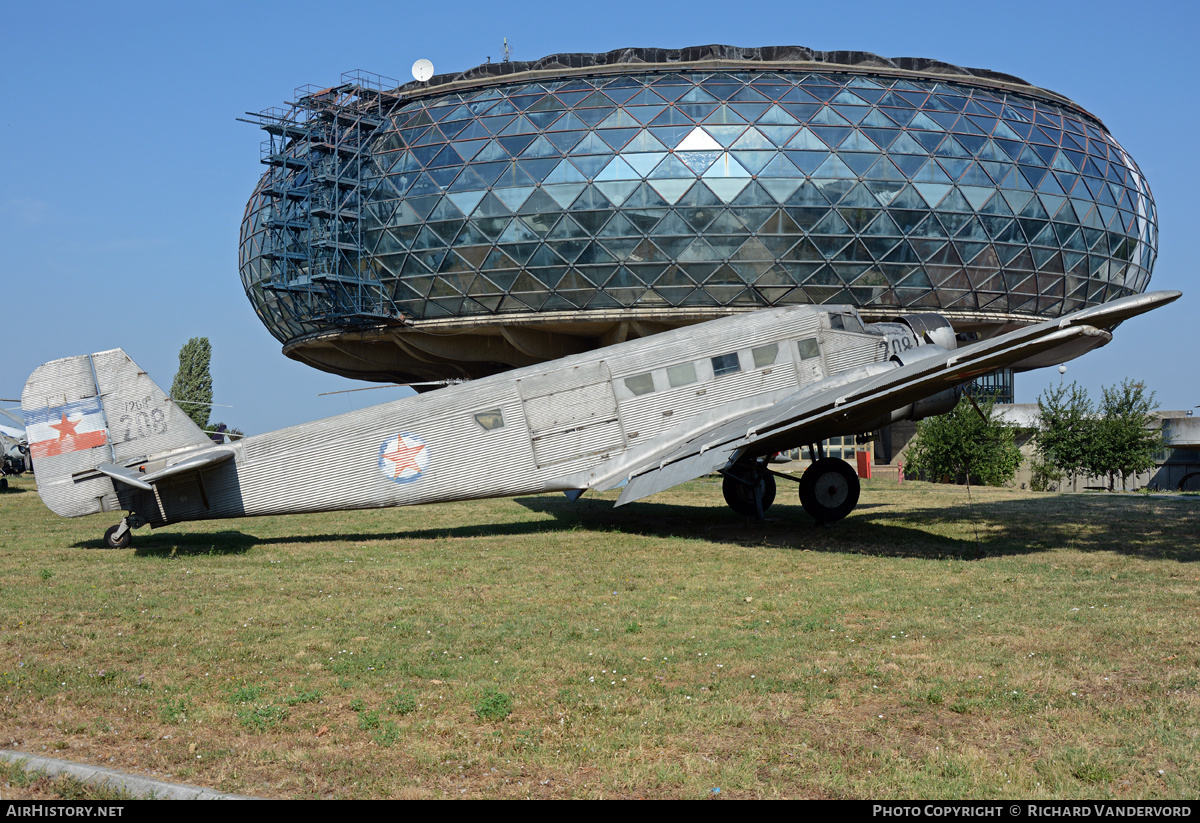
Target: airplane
13,447
644,415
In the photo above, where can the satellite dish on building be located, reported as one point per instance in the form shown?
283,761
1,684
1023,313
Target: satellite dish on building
422,69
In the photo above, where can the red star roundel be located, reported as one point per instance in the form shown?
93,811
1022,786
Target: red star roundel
404,458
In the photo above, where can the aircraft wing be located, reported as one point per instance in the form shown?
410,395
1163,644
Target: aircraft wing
856,401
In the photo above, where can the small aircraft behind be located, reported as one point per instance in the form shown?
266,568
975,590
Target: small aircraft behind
646,414
14,450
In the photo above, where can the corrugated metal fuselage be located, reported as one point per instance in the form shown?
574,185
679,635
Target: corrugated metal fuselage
542,428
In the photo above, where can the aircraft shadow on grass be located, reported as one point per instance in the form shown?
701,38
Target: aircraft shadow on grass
1150,529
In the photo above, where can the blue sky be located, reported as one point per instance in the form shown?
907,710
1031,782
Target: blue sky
124,171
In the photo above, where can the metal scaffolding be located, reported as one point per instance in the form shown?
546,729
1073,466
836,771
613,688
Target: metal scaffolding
316,154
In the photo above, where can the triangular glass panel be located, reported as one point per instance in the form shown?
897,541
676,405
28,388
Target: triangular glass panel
671,189
807,141
644,162
781,187
727,188
671,167
513,177
953,202
591,164
827,116
644,142
698,140
807,161
859,197
857,141
647,203
564,193
617,138
976,196
619,225
513,197
698,161
909,199
540,147
834,168
752,138
859,161
905,144
670,135
753,161
933,192
592,144
724,116
831,135
778,135
726,166
617,191
591,199
775,116
564,141
565,172
617,169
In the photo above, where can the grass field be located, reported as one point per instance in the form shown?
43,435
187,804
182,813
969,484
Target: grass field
929,646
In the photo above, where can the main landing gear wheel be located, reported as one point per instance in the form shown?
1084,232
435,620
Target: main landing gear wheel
118,536
743,487
829,489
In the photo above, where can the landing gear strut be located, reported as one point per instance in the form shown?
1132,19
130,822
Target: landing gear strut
829,489
749,489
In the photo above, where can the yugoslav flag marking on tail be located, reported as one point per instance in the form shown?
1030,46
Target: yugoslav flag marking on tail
68,428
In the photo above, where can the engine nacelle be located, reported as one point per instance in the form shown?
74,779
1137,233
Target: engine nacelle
931,328
939,403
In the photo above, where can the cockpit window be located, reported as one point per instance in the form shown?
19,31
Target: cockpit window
845,322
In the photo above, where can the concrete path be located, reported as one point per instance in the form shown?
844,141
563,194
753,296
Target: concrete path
134,785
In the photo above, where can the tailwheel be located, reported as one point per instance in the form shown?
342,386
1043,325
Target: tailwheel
118,536
829,489
749,490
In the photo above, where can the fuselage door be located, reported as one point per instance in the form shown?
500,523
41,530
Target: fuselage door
571,413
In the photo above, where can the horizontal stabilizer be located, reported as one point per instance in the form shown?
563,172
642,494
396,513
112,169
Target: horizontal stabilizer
186,463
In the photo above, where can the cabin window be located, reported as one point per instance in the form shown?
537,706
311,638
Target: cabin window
681,375
765,355
845,322
808,348
640,384
490,419
725,364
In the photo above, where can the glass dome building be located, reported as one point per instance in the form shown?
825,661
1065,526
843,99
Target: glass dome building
518,212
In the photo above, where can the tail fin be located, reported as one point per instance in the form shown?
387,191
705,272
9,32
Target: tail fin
84,411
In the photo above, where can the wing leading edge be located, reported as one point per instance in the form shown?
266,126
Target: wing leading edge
862,399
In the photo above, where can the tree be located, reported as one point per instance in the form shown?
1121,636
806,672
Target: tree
192,387
1118,439
967,442
1126,439
1065,439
